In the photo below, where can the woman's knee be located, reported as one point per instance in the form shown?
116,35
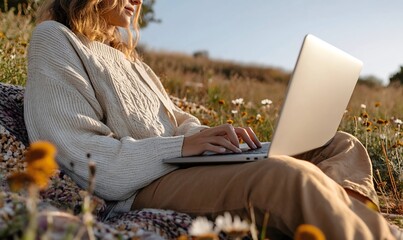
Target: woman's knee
288,171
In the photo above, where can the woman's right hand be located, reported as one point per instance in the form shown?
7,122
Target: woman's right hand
219,139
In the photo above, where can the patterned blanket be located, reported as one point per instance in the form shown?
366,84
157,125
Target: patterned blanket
60,206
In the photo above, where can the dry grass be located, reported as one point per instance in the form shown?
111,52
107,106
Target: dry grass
215,84
375,125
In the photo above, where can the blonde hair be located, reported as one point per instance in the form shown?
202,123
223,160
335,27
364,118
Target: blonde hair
83,16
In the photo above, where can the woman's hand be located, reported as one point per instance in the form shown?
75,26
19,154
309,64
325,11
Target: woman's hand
219,140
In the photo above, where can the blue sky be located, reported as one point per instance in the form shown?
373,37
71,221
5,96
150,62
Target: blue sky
270,32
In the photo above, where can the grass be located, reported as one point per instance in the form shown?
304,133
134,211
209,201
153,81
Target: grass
217,84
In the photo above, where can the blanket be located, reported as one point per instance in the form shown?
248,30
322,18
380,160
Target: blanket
60,207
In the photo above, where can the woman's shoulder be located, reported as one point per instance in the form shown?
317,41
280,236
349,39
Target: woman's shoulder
51,29
52,36
50,25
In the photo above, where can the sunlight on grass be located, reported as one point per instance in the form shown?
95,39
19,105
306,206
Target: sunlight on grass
219,92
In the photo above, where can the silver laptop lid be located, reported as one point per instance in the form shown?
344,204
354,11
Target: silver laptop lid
318,94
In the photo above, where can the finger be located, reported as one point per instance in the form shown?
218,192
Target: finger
226,130
222,141
244,135
231,134
214,148
253,136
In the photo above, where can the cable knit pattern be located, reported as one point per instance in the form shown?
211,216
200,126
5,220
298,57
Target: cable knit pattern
86,97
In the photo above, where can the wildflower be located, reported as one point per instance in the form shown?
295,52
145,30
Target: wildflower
230,121
382,121
12,56
2,35
229,226
377,104
398,121
41,165
40,158
24,43
221,102
364,115
205,121
367,123
363,106
266,102
382,136
258,116
234,111
18,181
368,129
308,232
238,101
202,228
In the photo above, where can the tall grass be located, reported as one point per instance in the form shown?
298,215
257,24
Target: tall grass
15,31
217,84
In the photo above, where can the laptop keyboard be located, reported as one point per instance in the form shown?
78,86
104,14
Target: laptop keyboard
264,149
245,149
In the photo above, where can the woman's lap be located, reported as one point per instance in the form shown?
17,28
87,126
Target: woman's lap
291,190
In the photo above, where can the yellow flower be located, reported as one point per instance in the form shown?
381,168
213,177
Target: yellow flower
367,123
205,121
41,165
221,102
308,232
382,121
364,115
40,150
377,104
2,35
230,121
19,180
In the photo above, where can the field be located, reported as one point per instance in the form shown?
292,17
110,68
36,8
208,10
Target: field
374,113
220,92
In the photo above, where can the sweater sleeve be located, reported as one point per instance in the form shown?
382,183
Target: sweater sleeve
61,107
187,123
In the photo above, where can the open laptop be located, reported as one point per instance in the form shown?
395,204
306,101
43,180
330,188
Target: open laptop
318,93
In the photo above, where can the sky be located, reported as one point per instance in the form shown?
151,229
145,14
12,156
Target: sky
270,32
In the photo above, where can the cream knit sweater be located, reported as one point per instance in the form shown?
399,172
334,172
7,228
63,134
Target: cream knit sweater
87,98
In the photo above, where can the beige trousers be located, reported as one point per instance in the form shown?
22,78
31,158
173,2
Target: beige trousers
309,188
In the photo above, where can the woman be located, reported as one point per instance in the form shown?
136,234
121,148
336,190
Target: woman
88,92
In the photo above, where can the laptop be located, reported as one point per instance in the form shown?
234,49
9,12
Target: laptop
318,93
